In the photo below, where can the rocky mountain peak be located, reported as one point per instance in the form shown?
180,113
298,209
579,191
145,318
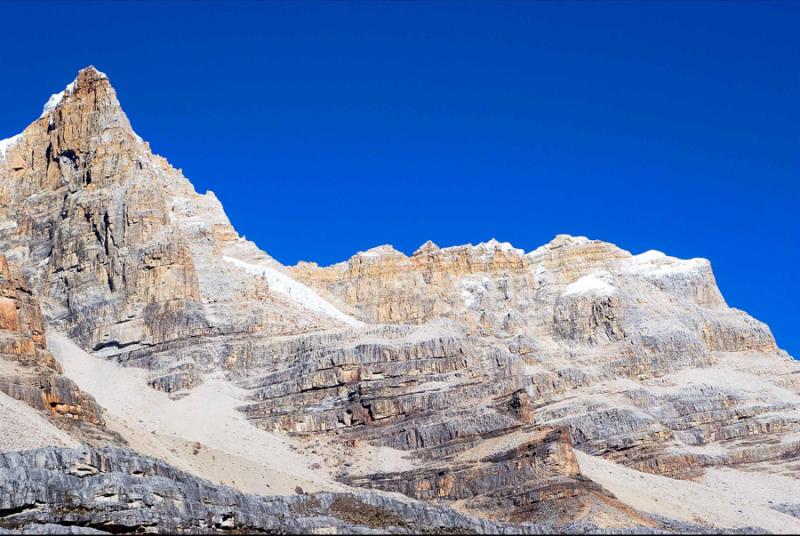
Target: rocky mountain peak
89,81
90,75
379,251
514,385
85,108
426,249
124,250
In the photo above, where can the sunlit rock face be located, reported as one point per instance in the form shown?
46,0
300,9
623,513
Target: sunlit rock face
28,371
466,376
637,355
126,255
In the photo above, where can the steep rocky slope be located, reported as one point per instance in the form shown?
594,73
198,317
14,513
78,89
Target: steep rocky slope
128,257
117,491
29,372
464,376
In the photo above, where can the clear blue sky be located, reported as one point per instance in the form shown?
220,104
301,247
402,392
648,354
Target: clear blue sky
328,128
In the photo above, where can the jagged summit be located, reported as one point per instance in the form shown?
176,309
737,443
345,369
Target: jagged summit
134,232
75,122
92,74
378,251
86,79
494,247
426,248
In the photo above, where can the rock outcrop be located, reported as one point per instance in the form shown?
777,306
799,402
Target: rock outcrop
470,373
114,491
29,371
126,254
637,355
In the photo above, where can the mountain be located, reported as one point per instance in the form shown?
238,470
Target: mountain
161,373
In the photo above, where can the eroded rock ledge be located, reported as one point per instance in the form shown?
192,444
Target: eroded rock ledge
117,491
29,371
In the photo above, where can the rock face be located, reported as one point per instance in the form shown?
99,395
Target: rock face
637,355
117,491
30,373
470,373
128,257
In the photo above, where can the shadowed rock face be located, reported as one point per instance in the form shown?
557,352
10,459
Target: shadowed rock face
118,491
480,367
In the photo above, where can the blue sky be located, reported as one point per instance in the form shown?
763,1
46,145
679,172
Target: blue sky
328,128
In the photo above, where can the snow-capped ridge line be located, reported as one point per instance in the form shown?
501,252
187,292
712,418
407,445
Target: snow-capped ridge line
488,247
655,263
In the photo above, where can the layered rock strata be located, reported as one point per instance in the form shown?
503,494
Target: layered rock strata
29,371
470,373
114,491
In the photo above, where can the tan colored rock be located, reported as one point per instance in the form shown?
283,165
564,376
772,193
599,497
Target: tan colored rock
457,364
29,372
126,254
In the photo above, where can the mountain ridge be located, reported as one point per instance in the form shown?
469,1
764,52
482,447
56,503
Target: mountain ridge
471,377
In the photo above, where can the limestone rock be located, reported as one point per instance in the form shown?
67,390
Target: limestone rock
481,368
117,491
30,373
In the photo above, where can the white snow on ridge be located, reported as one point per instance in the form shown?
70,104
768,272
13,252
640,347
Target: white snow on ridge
494,245
377,251
56,98
283,284
594,284
8,142
561,239
487,248
657,264
540,274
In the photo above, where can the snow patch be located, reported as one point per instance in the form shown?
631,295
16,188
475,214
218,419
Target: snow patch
7,143
473,289
559,241
540,274
283,284
493,245
533,370
594,284
378,251
657,264
56,98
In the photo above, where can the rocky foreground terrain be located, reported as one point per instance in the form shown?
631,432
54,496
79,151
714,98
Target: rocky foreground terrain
160,373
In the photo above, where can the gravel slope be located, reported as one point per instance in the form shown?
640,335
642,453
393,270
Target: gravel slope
22,428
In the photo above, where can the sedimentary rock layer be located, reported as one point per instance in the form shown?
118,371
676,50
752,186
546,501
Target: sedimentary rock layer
464,376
